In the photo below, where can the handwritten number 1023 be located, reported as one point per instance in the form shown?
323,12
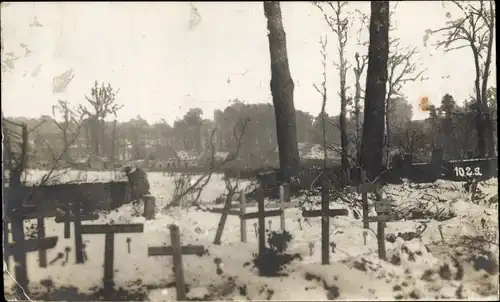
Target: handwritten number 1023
467,171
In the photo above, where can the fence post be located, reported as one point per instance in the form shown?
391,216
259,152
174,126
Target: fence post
364,196
282,206
325,222
243,222
436,161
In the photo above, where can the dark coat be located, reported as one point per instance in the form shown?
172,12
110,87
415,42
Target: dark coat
139,184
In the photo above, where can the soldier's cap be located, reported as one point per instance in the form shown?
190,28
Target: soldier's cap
129,170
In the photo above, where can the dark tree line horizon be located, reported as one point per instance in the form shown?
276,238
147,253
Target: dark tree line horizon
447,127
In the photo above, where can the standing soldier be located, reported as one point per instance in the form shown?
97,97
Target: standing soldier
138,181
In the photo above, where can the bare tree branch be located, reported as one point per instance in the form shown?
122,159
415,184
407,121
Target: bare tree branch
185,186
474,29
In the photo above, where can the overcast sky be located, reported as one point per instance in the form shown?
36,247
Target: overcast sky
163,68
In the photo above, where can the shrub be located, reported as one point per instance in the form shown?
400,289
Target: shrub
272,261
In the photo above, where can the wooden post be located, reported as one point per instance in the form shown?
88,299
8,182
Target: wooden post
176,251
6,239
473,189
222,222
110,230
363,189
77,219
407,164
149,207
325,213
24,213
175,240
381,240
261,220
32,245
79,252
67,226
436,162
283,195
109,253
243,222
243,215
42,253
325,223
382,207
364,197
23,246
113,142
19,252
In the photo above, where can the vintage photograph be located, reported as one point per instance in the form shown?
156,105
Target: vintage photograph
219,151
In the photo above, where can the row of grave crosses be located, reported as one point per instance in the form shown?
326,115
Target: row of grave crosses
382,208
20,246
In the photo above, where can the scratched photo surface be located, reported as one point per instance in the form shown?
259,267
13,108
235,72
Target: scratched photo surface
249,151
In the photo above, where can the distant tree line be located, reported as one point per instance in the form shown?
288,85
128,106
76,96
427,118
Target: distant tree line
448,127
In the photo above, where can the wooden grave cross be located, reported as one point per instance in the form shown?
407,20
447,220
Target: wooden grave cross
27,212
70,214
325,213
76,217
382,208
19,249
109,245
176,250
244,216
364,188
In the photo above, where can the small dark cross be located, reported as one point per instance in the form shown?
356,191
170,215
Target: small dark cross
30,212
325,213
225,212
77,219
365,188
244,216
109,245
261,216
382,207
70,217
31,245
26,246
176,250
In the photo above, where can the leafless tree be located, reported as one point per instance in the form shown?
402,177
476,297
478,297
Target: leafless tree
69,122
282,91
402,68
187,188
16,150
361,62
474,29
376,78
323,91
340,22
101,104
359,68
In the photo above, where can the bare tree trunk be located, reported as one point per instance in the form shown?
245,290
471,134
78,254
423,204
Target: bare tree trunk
387,131
282,92
376,78
94,133
490,138
480,125
358,70
343,108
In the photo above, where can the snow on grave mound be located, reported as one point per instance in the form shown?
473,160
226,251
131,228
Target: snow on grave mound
411,255
341,280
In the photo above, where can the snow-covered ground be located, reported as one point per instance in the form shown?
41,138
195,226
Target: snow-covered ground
426,268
